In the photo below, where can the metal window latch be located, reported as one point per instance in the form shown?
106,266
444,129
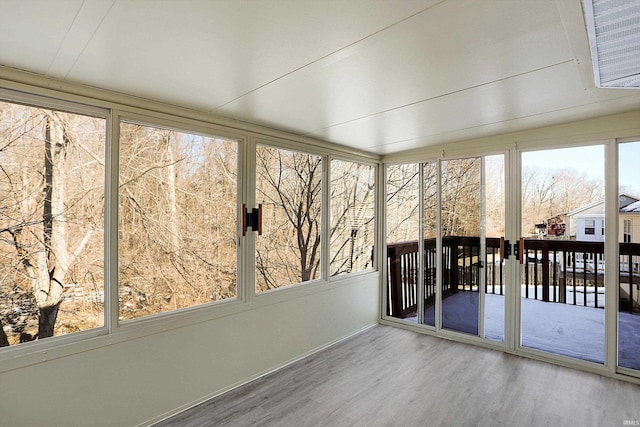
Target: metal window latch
505,249
252,219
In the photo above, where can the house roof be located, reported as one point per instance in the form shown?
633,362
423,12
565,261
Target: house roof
633,207
584,208
624,201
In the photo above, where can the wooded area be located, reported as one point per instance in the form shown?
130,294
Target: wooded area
178,220
178,216
545,193
51,222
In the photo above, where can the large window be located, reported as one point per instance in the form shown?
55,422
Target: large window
178,209
170,211
352,202
289,187
51,223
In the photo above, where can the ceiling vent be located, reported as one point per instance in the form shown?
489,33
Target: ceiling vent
613,27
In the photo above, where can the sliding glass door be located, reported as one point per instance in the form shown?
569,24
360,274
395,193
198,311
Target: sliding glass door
629,250
452,277
562,252
461,217
465,258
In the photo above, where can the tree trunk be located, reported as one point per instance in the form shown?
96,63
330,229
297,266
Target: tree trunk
174,237
47,320
4,341
54,262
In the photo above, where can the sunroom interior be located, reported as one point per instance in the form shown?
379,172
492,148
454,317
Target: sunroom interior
196,194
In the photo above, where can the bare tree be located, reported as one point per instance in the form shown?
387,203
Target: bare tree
289,187
352,196
402,202
177,212
546,193
50,210
461,197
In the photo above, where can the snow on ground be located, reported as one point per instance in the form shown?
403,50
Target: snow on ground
568,330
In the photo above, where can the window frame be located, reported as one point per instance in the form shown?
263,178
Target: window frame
194,129
376,216
627,230
282,145
45,102
115,108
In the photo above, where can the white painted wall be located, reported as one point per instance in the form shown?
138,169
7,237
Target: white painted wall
598,221
137,381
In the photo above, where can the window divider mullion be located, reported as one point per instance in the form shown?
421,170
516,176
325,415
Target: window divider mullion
111,221
246,263
325,223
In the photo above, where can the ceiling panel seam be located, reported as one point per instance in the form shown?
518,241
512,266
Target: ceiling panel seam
411,104
527,116
76,55
64,39
342,49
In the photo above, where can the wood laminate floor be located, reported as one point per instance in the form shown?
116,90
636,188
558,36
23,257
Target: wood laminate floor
387,376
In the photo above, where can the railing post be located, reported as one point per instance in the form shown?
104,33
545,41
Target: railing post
453,259
395,279
562,283
545,271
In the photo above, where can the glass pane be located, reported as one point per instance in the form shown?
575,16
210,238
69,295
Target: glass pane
629,238
563,267
352,221
177,245
494,230
402,218
460,222
289,187
429,232
51,223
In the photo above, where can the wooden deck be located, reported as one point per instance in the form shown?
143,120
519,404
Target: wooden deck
568,330
387,376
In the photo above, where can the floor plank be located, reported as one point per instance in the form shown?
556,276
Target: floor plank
392,377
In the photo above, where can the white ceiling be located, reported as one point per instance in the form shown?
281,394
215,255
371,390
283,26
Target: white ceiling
379,75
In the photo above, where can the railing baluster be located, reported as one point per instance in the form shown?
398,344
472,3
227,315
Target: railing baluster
526,272
555,277
535,274
584,281
545,271
575,299
563,282
501,277
630,284
595,278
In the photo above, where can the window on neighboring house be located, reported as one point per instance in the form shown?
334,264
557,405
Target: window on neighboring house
177,244
627,231
52,178
590,226
289,187
352,202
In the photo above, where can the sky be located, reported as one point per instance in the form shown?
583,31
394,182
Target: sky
589,160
